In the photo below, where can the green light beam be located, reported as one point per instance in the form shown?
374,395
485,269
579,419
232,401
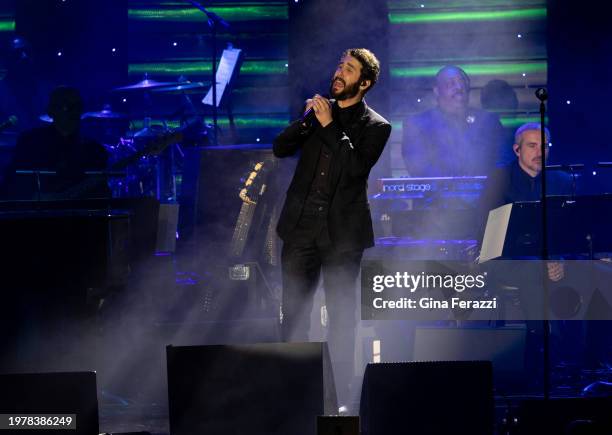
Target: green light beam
190,68
7,25
456,17
229,13
473,69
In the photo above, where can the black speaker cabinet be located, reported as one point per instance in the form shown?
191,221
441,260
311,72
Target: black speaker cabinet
43,394
428,398
258,389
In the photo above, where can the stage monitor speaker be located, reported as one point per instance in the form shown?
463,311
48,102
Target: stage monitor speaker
427,398
258,389
57,394
566,416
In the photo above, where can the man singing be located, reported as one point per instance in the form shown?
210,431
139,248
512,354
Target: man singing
325,223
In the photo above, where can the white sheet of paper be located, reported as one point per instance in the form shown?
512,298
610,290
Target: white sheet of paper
228,61
495,233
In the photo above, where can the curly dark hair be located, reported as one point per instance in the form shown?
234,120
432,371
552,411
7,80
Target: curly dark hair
370,66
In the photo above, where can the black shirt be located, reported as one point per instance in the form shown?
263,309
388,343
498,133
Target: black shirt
438,144
509,184
319,195
512,184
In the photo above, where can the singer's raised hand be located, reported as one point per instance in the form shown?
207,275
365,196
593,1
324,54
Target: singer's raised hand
323,110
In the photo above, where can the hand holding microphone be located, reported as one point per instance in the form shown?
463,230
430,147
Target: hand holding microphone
320,108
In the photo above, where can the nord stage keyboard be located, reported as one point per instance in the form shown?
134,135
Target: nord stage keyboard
430,187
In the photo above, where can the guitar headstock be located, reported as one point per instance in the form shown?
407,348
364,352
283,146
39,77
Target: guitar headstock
253,188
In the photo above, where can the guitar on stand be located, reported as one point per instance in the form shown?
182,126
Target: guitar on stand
254,187
252,249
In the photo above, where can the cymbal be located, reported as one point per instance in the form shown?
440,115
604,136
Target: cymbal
183,86
105,113
151,131
145,84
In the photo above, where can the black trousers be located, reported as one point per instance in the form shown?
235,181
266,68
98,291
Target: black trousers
307,255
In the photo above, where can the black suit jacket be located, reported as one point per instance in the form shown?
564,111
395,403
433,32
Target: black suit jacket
355,149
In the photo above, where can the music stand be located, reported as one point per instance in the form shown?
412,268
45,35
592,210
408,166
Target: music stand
512,230
229,66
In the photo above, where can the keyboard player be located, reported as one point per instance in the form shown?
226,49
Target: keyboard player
51,160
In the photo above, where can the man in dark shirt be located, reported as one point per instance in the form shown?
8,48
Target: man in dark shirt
451,139
521,180
325,223
52,160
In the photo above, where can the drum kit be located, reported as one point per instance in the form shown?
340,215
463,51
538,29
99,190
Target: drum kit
125,134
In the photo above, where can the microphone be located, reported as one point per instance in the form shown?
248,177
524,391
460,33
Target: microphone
309,116
10,122
541,94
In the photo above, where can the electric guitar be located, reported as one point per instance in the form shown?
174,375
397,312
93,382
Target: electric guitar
254,187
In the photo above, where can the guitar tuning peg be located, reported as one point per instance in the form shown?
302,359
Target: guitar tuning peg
243,194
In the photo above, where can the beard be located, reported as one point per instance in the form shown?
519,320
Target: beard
347,91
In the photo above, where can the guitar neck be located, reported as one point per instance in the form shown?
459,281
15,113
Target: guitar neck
241,230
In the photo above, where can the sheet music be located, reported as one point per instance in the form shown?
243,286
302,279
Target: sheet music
495,233
226,67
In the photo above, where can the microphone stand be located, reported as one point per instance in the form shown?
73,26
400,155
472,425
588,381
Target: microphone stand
542,95
214,21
